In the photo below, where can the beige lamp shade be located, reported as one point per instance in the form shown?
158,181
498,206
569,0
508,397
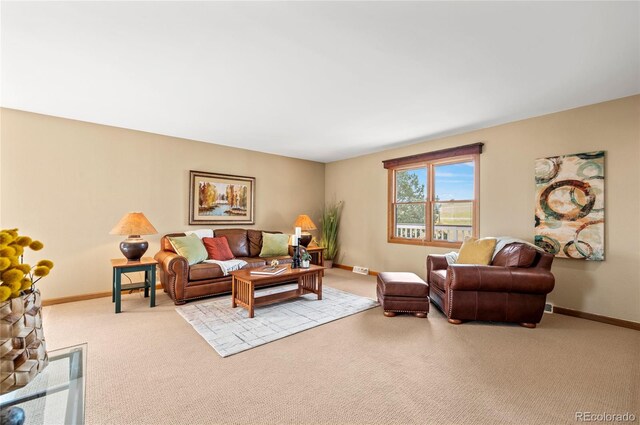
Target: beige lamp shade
304,222
134,223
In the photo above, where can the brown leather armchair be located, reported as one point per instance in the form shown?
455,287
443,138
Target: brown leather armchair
513,288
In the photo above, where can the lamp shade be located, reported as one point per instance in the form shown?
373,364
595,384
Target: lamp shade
304,222
134,223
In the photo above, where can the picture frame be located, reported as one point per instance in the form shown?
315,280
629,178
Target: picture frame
221,198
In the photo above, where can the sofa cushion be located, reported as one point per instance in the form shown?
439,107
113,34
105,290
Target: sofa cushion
204,271
476,251
437,278
238,241
274,245
252,262
282,259
218,248
255,241
515,255
190,247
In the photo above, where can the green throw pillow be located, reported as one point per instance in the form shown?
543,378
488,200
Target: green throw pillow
190,247
274,245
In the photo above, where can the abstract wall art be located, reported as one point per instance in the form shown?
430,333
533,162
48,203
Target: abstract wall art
569,218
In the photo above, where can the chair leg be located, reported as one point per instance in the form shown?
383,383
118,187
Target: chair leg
528,325
455,321
389,313
420,315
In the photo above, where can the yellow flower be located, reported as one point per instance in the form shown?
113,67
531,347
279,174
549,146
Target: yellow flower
5,263
16,294
12,275
36,245
19,250
23,240
12,232
15,286
5,293
7,251
25,284
40,271
47,263
24,268
15,261
5,238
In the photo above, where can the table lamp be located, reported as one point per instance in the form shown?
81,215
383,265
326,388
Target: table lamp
305,223
133,225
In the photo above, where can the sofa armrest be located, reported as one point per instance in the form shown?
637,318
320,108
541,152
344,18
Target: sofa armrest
174,272
467,277
436,262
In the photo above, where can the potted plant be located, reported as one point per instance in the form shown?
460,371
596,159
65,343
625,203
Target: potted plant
330,223
20,309
306,260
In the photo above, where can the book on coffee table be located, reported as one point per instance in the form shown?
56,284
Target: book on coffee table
269,271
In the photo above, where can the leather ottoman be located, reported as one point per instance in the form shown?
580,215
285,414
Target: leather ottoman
401,292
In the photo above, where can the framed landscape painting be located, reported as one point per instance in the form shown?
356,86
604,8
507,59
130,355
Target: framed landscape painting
221,198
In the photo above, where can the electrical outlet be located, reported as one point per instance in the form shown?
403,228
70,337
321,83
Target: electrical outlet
361,270
548,308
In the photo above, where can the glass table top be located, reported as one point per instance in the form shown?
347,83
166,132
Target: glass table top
56,395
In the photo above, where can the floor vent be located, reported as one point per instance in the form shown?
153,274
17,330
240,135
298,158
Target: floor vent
548,308
361,270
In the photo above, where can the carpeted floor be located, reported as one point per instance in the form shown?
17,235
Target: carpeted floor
230,330
148,366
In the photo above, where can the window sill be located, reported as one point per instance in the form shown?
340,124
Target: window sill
421,242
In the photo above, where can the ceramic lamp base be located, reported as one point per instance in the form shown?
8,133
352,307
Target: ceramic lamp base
305,239
133,248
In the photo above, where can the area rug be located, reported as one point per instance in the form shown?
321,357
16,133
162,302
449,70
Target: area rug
230,331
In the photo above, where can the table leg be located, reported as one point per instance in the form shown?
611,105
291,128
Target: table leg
117,288
146,283
152,287
234,289
113,285
252,299
320,284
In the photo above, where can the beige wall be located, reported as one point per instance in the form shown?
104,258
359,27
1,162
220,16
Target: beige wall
610,288
68,183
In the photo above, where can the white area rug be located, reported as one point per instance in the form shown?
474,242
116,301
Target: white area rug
230,331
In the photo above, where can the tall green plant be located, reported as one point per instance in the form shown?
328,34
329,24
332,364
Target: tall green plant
330,223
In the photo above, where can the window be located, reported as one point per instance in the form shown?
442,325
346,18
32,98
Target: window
433,197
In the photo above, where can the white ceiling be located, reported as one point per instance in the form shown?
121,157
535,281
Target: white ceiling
315,80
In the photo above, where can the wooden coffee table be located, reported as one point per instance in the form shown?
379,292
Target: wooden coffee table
243,286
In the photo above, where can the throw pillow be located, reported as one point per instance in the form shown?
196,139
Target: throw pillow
218,248
274,245
476,251
190,247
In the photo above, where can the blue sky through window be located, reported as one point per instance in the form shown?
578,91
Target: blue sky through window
454,181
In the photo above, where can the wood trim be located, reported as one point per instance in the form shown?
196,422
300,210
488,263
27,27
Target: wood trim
472,149
597,318
391,190
430,201
83,297
350,268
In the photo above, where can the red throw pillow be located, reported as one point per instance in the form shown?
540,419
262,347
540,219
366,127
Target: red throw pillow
218,248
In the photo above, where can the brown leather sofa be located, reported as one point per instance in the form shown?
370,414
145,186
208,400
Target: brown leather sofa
184,283
513,288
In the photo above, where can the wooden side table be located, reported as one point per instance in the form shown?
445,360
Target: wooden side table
122,265
317,255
